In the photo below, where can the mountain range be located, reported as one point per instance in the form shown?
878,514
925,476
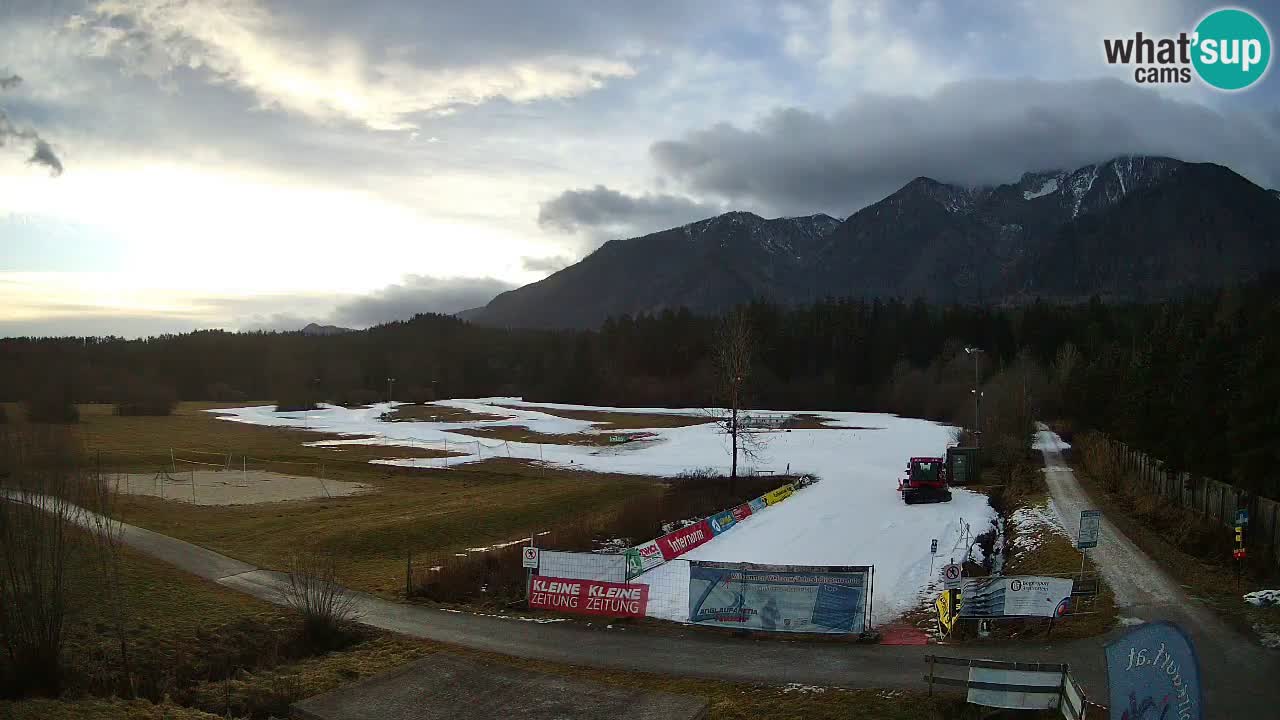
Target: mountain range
1133,228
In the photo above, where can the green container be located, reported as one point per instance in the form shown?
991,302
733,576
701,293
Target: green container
963,466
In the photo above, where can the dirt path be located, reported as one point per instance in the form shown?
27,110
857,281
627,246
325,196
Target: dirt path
1240,677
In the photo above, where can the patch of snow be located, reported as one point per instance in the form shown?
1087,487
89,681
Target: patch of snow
1129,621
1032,522
1049,440
1081,183
521,618
498,546
1263,598
803,689
1049,186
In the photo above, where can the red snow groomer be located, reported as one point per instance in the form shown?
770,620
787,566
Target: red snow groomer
926,481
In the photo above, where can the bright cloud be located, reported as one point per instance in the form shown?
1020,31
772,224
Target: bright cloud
241,43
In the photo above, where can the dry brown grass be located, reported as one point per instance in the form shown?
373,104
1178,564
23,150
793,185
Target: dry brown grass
409,510
513,433
438,413
1146,522
620,420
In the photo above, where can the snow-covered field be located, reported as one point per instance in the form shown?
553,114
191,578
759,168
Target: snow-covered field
854,516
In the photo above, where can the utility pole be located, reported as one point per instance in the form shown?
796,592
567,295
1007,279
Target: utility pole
390,382
977,394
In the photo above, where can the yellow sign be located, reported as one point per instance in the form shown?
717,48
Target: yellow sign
948,605
773,497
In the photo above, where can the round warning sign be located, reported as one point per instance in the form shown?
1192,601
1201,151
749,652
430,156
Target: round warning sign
951,575
530,557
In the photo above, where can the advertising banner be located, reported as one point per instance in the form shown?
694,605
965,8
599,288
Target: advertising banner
643,558
723,521
993,687
758,504
742,512
948,606
1022,596
780,598
773,497
588,597
1153,672
583,566
675,544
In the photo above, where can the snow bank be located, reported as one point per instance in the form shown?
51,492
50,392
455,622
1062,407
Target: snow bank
1047,439
854,516
1263,598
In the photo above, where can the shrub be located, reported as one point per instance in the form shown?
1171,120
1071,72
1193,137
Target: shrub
315,593
144,397
51,404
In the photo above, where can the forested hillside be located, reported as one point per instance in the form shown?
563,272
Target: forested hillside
1192,381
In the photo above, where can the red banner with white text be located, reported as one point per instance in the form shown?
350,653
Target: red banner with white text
588,597
675,544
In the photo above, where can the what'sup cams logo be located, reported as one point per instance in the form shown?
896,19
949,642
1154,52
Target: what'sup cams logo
1229,50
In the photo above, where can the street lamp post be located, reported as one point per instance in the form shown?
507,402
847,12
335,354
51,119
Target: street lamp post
977,394
390,382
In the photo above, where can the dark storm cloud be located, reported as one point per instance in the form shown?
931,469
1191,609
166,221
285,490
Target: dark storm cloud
602,213
417,294
974,132
43,155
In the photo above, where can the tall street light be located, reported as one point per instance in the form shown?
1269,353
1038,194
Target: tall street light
977,416
390,381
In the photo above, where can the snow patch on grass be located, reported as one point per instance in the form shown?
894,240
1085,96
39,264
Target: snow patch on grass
1032,522
1263,598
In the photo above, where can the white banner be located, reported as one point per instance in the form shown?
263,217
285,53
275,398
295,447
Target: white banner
1017,596
1004,697
583,566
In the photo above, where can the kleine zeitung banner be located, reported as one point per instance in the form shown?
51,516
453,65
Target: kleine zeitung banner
588,597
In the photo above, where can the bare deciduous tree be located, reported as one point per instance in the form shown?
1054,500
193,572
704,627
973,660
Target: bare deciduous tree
733,354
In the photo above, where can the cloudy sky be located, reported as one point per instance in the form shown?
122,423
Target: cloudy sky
172,164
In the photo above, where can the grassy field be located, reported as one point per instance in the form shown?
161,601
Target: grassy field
431,513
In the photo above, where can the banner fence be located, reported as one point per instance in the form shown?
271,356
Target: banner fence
781,598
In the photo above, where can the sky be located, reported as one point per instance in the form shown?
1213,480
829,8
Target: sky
167,165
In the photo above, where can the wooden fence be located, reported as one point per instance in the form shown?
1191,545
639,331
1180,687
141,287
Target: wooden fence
1214,500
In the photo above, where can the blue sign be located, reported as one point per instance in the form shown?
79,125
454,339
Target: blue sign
758,504
1154,675
722,522
779,598
1242,516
